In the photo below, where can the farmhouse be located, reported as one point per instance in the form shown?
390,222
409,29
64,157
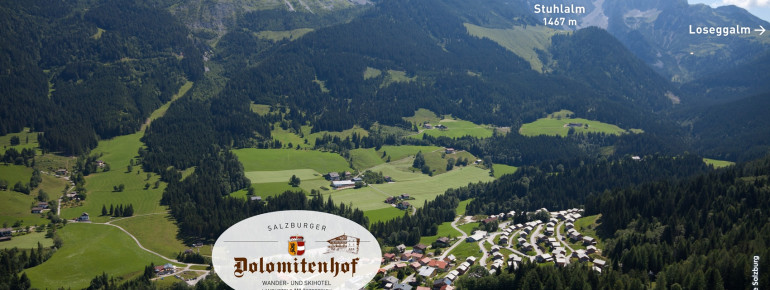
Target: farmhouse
390,200
333,176
403,205
401,248
388,280
389,257
449,150
62,171
342,184
404,196
37,209
256,198
441,127
420,248
5,234
477,236
426,271
43,205
574,125
443,241
427,126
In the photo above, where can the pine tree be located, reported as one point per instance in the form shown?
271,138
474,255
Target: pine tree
104,210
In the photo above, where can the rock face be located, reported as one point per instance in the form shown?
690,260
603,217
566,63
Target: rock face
657,31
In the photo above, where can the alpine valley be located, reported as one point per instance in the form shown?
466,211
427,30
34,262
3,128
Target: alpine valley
487,144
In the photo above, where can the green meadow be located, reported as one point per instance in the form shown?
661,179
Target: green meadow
383,214
422,116
160,112
368,158
587,226
157,232
88,251
28,140
28,241
502,169
290,159
419,186
718,163
465,250
457,129
117,152
16,206
523,41
281,35
555,125
15,173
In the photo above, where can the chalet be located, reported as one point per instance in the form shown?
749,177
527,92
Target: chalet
471,260
489,220
424,261
477,236
44,205
333,176
541,238
388,280
6,232
389,257
403,205
494,249
348,175
400,266
404,196
515,259
100,163
636,158
504,240
549,230
439,265
521,241
559,251
390,200
388,179
426,271
542,258
527,246
561,261
427,126
574,125
443,241
402,286
497,265
37,209
569,226
553,242
401,248
599,263
441,127
591,249
438,284
415,256
478,161
449,151
589,241
415,265
405,256
450,259
497,256
357,179
256,198
420,248
62,171
342,184
452,277
83,218
463,268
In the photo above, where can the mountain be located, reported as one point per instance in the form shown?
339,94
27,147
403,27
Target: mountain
658,33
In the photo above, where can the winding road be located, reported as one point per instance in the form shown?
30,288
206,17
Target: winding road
462,239
533,239
559,238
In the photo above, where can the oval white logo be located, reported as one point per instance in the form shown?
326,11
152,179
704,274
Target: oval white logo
296,249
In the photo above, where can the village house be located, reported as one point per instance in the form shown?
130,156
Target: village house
439,284
389,257
37,209
388,282
589,241
463,268
450,259
256,198
390,200
404,196
420,248
333,176
444,241
426,271
84,217
403,205
422,288
441,266
449,151
451,276
424,261
401,248
415,265
402,286
471,260
477,236
400,266
599,263
342,184
348,175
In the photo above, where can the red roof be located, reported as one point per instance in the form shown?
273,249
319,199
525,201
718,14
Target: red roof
425,261
438,264
389,256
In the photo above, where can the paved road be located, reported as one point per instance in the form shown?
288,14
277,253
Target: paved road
558,238
533,239
462,239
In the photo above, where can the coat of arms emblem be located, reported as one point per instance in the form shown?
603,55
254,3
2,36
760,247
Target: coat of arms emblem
296,245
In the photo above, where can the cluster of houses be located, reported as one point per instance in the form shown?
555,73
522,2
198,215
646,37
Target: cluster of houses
400,202
424,266
343,182
39,207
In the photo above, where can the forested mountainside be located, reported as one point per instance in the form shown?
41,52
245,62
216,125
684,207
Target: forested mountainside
81,74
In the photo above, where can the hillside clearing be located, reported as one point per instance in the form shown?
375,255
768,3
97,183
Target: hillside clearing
558,124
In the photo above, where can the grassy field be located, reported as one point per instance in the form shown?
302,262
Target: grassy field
117,152
587,226
160,112
419,186
267,189
456,129
401,152
468,228
437,160
281,35
260,109
371,73
423,115
157,232
465,250
502,169
365,158
554,125
524,42
290,159
461,208
16,206
27,241
383,214
396,76
89,250
444,230
5,141
15,173
718,163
